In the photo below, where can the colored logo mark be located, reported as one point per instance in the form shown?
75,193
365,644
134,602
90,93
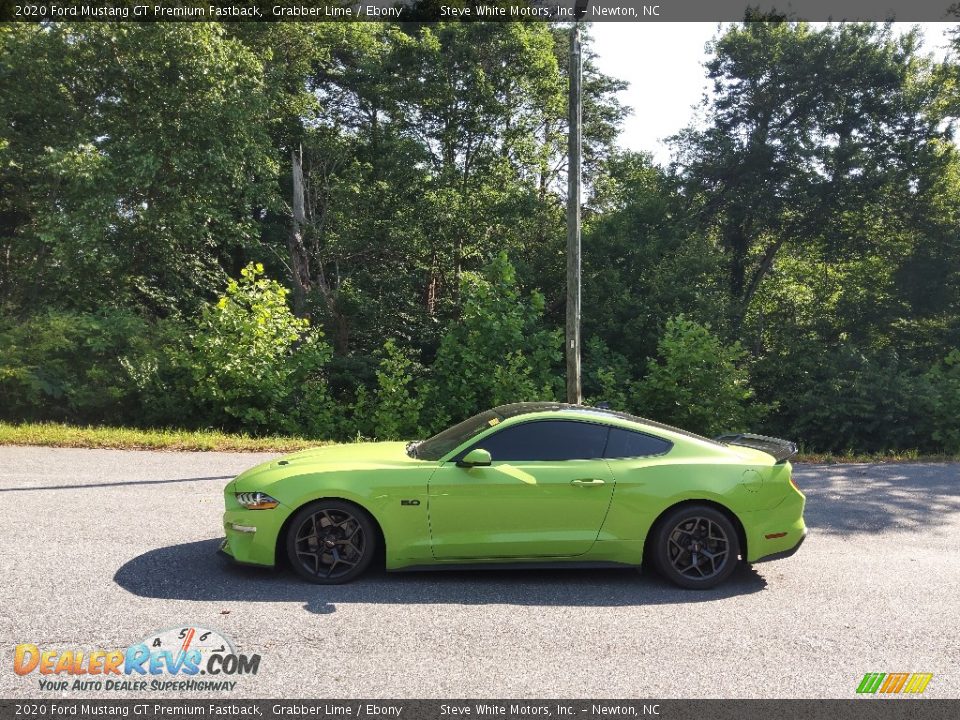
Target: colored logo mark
894,683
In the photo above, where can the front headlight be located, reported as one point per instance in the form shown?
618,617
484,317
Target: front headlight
256,501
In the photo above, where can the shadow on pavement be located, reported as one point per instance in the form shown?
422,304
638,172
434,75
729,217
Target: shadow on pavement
871,498
195,571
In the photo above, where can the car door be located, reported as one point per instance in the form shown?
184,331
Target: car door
545,494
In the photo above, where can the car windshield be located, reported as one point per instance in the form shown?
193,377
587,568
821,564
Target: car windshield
443,442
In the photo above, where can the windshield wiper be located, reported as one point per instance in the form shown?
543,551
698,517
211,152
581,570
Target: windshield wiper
412,447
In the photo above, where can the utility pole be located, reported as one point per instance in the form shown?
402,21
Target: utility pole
574,392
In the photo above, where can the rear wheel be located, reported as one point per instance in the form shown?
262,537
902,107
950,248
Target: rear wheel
696,547
331,542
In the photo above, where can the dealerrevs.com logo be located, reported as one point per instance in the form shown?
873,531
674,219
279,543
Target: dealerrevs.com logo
178,659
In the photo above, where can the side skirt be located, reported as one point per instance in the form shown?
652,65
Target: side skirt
518,565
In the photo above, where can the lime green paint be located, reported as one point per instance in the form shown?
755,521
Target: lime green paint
578,510
518,510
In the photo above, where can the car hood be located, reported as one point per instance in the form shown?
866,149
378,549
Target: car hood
365,452
328,458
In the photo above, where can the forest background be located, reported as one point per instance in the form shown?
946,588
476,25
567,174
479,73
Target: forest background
357,230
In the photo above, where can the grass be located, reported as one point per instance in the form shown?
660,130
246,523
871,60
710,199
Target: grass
893,456
73,436
60,435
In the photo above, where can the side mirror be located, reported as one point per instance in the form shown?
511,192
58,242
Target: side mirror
478,457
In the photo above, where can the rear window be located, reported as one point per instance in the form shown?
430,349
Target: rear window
628,444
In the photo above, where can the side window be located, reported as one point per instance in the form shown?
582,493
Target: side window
546,440
629,444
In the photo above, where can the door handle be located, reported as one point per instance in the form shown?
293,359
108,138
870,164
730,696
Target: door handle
587,482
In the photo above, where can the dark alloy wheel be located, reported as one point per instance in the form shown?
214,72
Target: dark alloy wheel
696,547
331,542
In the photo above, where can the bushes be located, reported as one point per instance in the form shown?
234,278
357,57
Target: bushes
68,366
852,399
606,376
698,383
252,365
498,352
398,406
247,363
943,381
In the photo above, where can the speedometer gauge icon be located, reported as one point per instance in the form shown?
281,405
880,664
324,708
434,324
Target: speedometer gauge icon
181,640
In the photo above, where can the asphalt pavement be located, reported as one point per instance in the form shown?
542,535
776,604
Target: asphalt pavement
101,548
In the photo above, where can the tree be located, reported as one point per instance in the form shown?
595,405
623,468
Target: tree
252,364
644,260
423,148
818,140
132,163
499,352
697,382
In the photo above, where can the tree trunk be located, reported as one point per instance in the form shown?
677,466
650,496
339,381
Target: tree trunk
299,257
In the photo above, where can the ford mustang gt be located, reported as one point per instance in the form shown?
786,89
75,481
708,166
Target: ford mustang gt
530,484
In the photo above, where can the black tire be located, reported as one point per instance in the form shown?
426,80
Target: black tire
331,542
696,547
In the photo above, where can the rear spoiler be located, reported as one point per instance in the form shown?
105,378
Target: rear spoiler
782,450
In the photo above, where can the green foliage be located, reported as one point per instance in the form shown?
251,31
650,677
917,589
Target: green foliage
131,158
793,158
497,352
944,392
606,374
426,149
61,365
807,230
644,260
871,402
697,382
398,406
253,365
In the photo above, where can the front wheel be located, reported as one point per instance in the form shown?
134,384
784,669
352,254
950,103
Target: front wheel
331,542
696,547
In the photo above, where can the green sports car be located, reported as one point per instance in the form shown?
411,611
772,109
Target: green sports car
529,484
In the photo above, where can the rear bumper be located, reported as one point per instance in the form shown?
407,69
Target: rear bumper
776,532
782,554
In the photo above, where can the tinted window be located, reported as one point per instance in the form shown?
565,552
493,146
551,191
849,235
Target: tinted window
547,440
628,444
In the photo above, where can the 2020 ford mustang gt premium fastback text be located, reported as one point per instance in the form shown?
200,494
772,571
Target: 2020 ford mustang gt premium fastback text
535,484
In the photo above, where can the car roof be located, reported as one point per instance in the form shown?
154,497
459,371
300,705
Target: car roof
586,412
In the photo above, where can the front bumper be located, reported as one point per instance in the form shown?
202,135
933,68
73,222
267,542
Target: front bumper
250,536
224,551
